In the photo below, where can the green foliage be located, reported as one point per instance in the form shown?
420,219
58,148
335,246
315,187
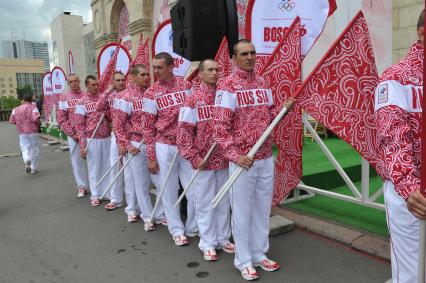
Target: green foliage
9,102
23,90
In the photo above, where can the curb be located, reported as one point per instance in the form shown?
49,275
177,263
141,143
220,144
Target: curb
357,240
50,138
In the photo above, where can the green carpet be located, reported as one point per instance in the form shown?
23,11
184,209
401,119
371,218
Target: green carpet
362,217
54,132
318,172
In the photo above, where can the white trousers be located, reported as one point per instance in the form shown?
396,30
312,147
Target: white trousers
129,190
251,200
182,170
138,167
77,164
97,164
118,186
29,149
404,234
214,223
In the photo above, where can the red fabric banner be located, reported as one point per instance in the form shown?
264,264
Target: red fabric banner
339,92
283,73
142,53
107,76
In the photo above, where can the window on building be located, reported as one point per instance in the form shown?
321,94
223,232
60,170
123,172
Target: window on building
2,80
10,79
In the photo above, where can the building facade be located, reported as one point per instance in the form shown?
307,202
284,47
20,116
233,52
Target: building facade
404,20
16,73
89,49
67,34
127,19
26,49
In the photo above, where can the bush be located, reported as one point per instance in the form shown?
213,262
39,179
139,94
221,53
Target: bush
9,102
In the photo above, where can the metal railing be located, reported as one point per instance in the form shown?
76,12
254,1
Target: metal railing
357,197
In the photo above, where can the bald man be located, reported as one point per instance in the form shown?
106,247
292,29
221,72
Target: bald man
66,117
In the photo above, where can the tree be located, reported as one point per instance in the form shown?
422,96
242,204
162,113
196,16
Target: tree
23,90
9,102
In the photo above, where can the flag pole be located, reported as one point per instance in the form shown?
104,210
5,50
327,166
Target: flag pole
227,186
209,153
119,172
422,225
157,201
94,132
422,247
109,170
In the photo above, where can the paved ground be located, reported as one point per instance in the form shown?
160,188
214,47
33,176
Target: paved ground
48,235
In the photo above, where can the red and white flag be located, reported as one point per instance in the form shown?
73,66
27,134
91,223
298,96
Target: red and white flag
142,53
107,76
339,92
222,58
283,73
71,68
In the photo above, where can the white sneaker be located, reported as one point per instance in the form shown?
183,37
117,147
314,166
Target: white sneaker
181,240
81,192
249,273
191,234
149,226
132,218
28,166
228,248
162,221
267,265
210,255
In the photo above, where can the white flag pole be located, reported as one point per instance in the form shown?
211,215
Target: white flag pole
209,153
227,186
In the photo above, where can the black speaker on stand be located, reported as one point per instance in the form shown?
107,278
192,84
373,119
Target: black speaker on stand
200,25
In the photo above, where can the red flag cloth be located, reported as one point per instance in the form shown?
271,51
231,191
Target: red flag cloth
283,73
339,92
107,76
222,58
142,54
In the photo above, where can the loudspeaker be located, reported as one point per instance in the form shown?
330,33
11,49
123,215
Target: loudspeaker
198,13
200,25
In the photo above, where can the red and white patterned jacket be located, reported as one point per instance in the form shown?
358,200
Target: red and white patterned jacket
398,118
87,118
66,112
244,109
196,129
106,103
27,118
162,102
127,115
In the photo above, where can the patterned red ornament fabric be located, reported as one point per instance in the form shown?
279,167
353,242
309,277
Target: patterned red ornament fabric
87,118
142,54
224,61
26,117
107,76
339,92
283,73
399,122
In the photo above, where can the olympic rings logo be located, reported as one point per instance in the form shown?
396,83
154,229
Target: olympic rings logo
286,5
